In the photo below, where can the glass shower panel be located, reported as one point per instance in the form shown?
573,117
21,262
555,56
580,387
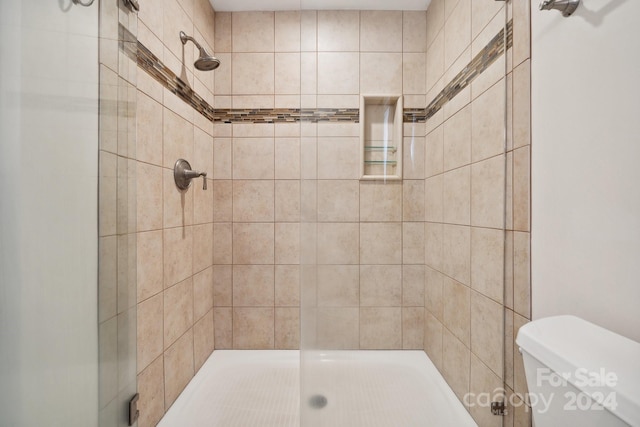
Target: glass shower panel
48,215
414,266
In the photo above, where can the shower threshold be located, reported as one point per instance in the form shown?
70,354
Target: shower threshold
261,388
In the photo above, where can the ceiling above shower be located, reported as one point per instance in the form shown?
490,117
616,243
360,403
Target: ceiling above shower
246,5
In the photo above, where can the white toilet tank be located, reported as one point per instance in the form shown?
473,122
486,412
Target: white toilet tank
580,374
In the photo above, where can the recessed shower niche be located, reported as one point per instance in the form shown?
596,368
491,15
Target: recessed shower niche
381,137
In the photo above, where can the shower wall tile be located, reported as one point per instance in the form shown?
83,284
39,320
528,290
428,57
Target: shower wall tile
413,328
380,328
253,286
380,286
457,32
343,64
253,243
372,39
456,363
381,72
338,285
287,201
486,319
150,337
178,367
252,74
178,311
487,197
338,30
253,328
287,31
457,299
338,328
223,327
150,265
287,286
457,140
203,339
487,262
381,243
287,328
414,31
202,293
253,201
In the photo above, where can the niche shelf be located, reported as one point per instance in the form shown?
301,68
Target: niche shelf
381,137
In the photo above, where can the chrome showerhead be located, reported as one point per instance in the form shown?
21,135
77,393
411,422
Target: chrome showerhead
205,62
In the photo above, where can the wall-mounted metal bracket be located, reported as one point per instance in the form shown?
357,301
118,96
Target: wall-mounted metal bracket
133,5
134,413
567,7
499,408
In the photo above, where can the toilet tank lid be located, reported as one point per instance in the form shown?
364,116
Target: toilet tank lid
599,362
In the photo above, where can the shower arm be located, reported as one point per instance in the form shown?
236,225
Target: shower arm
184,38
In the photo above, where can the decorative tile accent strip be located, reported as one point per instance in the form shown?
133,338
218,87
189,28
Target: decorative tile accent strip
487,56
156,69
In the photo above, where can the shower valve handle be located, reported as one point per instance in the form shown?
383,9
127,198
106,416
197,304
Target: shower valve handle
182,175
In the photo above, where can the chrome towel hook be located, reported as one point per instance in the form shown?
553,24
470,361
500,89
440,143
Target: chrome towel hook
567,7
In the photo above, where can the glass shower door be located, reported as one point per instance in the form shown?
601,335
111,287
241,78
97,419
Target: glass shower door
409,266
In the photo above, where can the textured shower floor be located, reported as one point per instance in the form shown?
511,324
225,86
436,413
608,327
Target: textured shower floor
261,388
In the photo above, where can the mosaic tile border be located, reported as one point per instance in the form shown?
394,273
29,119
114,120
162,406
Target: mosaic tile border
156,69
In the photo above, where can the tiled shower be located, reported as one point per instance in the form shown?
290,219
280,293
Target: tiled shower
437,261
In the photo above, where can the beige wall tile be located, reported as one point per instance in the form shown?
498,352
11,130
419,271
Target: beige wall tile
482,13
380,31
176,20
338,200
413,285
434,198
149,197
149,264
338,158
487,193
413,328
178,311
178,367
456,249
521,188
287,31
433,248
413,73
381,73
177,138
222,285
253,158
433,290
521,32
202,247
287,201
253,285
487,124
253,201
308,30
222,32
287,286
522,105
338,328
252,73
414,31
202,202
149,130
413,157
338,285
380,285
253,328
457,32
223,327
381,328
222,193
486,323
433,331
483,380
203,343
253,243
151,390
177,204
343,64
456,364
435,19
435,64
222,158
287,243
434,152
381,243
149,327
108,278
204,20
222,243
522,274
338,243
413,242
456,303
380,201
287,328
222,83
338,30
308,72
457,140
287,73
252,31
457,203
287,158
202,293
487,262
178,256
413,200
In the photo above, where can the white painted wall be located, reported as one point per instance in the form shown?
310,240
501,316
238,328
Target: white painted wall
586,164
48,213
